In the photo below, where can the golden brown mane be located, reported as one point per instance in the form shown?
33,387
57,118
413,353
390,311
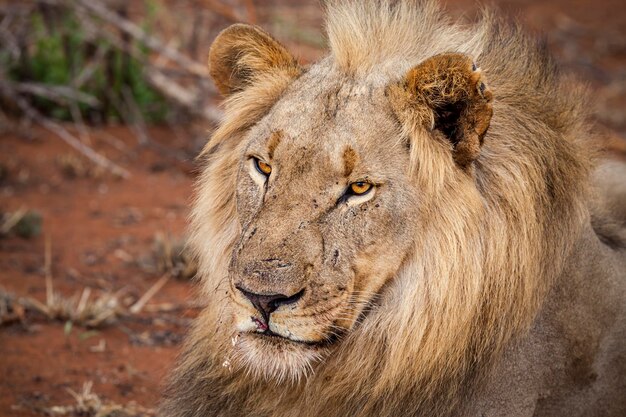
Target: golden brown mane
480,269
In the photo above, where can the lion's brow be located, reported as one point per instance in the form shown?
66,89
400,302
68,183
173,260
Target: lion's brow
350,159
273,142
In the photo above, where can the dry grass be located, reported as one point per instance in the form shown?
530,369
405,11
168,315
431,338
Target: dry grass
11,309
89,404
84,311
24,223
170,256
73,167
100,310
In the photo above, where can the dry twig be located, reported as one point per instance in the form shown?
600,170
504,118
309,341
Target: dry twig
101,11
10,94
138,306
226,11
89,404
59,93
12,220
182,96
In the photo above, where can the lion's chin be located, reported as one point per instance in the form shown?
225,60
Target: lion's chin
276,358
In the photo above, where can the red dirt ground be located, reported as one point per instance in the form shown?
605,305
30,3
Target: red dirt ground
94,225
97,223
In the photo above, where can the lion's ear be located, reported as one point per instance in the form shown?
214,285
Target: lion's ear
241,53
447,93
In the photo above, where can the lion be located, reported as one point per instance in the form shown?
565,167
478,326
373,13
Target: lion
407,227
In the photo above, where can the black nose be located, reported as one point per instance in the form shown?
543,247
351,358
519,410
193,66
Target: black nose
268,303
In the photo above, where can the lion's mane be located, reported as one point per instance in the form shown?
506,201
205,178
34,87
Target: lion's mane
492,248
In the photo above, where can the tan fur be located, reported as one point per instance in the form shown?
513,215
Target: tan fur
468,282
240,52
441,83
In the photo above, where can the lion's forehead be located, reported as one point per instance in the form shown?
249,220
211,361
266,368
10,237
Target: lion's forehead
329,102
320,118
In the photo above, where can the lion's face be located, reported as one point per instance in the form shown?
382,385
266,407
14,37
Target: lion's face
326,213
336,175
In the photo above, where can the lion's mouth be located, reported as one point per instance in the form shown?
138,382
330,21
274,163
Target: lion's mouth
276,338
264,331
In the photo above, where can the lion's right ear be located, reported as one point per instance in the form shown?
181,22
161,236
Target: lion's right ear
242,53
447,94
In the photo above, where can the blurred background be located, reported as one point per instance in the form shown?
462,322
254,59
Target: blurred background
103,106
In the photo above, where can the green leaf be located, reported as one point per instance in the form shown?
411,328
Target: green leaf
67,329
88,334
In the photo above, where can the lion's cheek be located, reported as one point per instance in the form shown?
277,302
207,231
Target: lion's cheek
372,272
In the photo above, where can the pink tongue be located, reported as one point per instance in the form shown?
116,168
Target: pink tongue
259,324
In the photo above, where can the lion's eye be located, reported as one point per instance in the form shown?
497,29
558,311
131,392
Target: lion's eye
262,167
360,187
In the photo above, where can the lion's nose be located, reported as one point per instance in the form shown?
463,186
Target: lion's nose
266,304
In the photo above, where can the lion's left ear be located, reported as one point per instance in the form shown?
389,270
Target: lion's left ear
241,53
447,93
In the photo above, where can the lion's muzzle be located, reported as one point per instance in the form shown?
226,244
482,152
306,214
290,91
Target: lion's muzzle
266,304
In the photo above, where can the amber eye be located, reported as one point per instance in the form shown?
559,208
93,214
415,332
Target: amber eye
262,167
360,187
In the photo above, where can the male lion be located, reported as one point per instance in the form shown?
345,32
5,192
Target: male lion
381,234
